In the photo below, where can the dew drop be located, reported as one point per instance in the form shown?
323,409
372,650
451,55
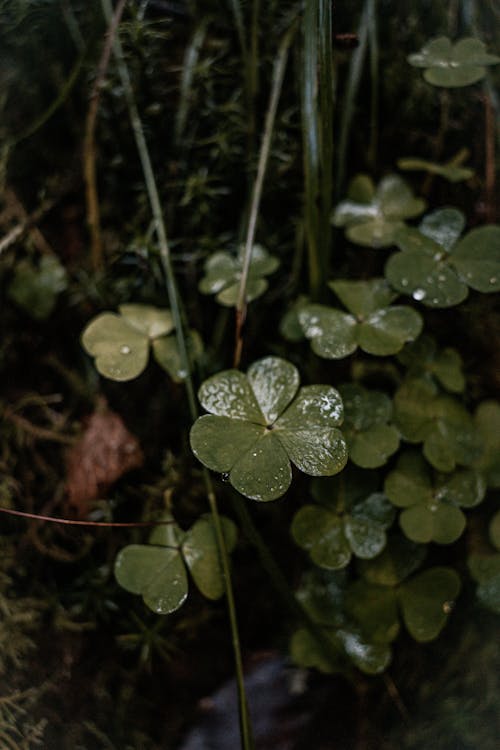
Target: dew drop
125,350
493,280
182,374
225,476
441,277
448,607
404,282
419,294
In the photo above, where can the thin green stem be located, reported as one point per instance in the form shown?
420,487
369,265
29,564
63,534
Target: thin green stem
279,581
311,145
188,69
374,66
246,732
352,87
326,101
277,81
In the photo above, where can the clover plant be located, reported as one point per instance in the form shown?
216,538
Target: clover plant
223,274
157,570
451,170
121,343
397,456
372,323
436,268
261,421
373,215
453,65
431,510
36,287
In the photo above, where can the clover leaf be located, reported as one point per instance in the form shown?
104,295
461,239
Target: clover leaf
373,215
372,324
322,597
487,421
261,421
423,359
441,422
485,569
121,343
35,288
431,509
453,65
223,275
370,439
424,602
350,519
157,570
436,268
451,170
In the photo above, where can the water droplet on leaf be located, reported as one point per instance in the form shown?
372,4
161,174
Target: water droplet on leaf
419,294
125,350
225,476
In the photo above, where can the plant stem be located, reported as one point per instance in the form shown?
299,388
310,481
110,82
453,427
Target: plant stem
246,733
352,87
326,96
279,581
374,63
277,81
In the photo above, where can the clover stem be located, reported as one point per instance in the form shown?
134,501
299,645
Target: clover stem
279,581
277,81
152,190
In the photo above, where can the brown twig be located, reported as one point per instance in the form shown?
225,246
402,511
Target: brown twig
27,222
40,433
71,522
89,150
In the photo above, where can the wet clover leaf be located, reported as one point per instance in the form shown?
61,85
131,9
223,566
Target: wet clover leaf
371,323
487,422
485,570
431,508
373,215
370,439
353,522
440,422
424,603
260,422
453,65
223,274
422,358
157,570
36,288
121,343
437,268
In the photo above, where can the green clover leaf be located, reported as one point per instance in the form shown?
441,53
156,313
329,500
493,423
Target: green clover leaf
372,324
261,421
157,570
373,215
423,359
354,521
223,275
436,268
121,343
439,421
424,601
35,288
453,65
322,596
485,569
370,439
431,510
487,421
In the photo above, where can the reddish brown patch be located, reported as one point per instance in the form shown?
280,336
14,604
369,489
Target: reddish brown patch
105,452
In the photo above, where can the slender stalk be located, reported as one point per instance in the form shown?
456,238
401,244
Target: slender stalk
374,65
277,81
188,68
279,581
326,96
310,132
352,88
89,152
246,733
